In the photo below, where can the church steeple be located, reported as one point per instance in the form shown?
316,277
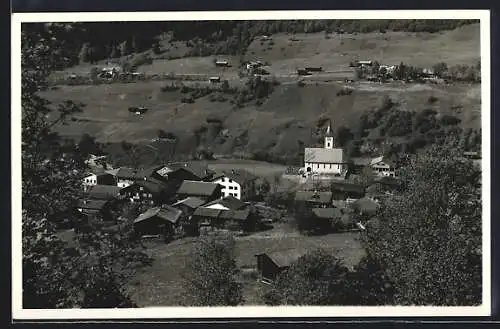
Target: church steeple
329,136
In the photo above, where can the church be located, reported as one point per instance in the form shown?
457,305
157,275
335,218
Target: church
327,160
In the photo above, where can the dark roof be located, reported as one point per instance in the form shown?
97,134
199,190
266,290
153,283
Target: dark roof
197,188
284,258
200,170
103,191
240,176
151,184
361,161
92,204
229,202
311,196
191,202
146,172
240,215
164,212
327,213
125,172
386,180
347,187
207,212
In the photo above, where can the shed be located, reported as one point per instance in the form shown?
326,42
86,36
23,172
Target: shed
270,265
104,192
157,220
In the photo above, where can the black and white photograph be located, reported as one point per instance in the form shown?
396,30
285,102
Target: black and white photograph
221,165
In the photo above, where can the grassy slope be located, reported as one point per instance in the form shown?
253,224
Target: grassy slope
291,112
161,285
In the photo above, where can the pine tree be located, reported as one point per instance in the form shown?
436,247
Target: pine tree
84,56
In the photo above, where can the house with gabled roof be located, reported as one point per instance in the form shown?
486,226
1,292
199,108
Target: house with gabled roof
104,192
124,176
382,166
237,183
97,177
158,220
226,203
97,209
271,264
205,191
148,190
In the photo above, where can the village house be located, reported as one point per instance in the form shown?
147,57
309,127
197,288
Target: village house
326,218
237,183
95,209
163,220
147,190
314,199
104,192
205,191
188,205
382,166
123,176
226,203
97,178
270,265
327,160
210,219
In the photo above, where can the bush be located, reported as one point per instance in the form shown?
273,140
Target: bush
188,100
344,91
449,120
432,99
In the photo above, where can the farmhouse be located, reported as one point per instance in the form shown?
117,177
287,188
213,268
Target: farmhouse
158,220
226,203
270,265
104,192
314,199
327,160
188,205
97,178
383,167
203,190
99,209
237,183
148,190
124,176
214,79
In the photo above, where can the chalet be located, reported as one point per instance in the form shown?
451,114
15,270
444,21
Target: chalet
123,176
148,190
104,192
382,166
215,219
214,79
158,220
98,209
346,191
223,63
205,191
314,199
196,171
237,183
270,265
97,178
188,205
226,203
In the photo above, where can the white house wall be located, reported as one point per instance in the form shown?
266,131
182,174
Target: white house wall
124,183
229,188
324,168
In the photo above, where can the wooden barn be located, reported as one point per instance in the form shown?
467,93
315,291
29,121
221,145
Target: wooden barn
270,265
162,220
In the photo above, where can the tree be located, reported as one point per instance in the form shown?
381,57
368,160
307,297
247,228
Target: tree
343,135
125,48
54,274
429,236
84,55
316,278
211,274
88,145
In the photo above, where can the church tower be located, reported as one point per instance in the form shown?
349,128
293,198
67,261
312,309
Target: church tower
329,137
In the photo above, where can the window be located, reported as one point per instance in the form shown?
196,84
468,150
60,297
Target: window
330,166
150,195
324,166
230,180
230,187
144,195
236,187
328,144
141,188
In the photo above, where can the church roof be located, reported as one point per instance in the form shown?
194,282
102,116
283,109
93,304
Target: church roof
322,155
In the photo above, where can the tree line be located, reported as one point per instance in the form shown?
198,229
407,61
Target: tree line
87,42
